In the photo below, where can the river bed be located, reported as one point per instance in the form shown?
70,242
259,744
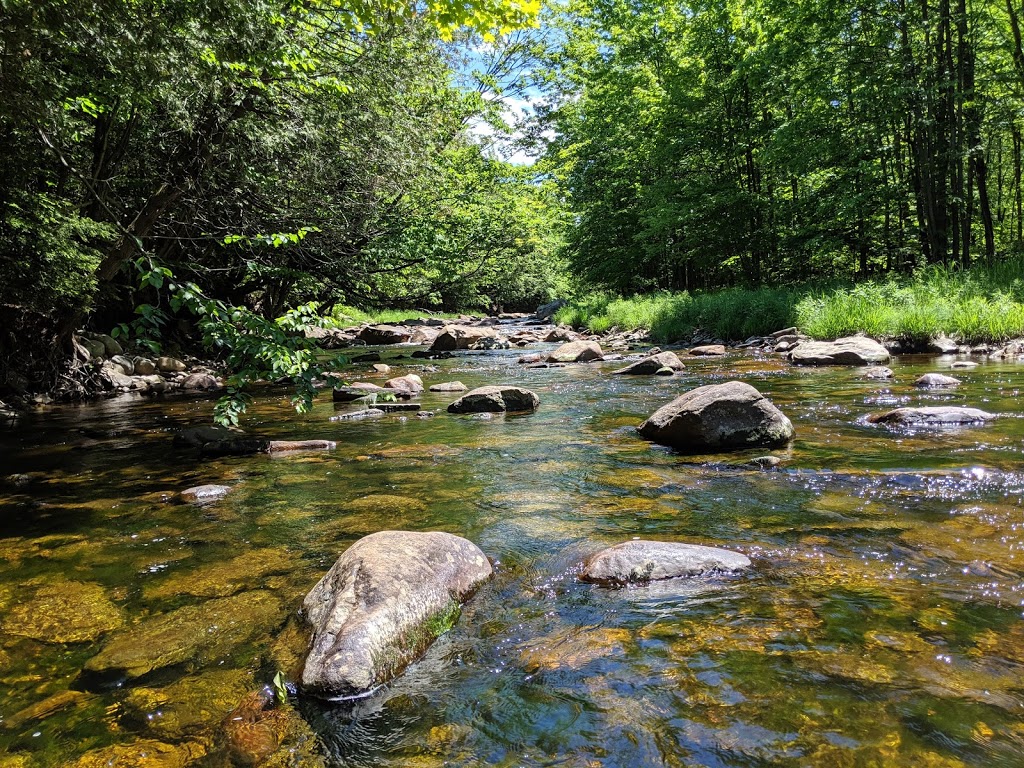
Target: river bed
881,624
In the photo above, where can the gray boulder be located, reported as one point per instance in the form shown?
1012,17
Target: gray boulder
643,561
708,350
197,437
95,348
127,366
496,400
449,386
853,350
577,352
718,417
930,380
382,604
652,365
196,382
547,311
453,337
932,415
410,383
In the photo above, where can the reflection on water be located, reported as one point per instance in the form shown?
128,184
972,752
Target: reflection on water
881,624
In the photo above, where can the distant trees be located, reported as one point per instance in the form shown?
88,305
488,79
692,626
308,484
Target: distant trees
722,141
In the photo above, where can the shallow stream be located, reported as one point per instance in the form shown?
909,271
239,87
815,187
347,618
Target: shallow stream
881,626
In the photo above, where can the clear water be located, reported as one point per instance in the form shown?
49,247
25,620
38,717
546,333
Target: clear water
881,626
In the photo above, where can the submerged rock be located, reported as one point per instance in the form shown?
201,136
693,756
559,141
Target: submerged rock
365,413
653,365
255,728
643,561
576,352
189,704
449,386
718,417
224,578
144,753
197,437
63,612
204,494
195,632
496,400
929,380
853,350
929,415
383,603
964,364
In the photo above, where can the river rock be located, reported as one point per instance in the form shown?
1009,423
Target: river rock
653,365
644,561
110,345
853,350
943,345
929,380
95,348
718,417
454,337
708,350
223,577
365,413
127,366
352,393
449,386
929,415
189,704
63,612
196,632
144,753
385,334
495,400
383,603
576,352
198,382
115,376
410,383
197,437
562,333
366,357
170,365
204,494
381,368
964,364
144,366
547,311
151,383
424,335
878,372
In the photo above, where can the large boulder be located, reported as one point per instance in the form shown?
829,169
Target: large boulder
382,604
385,334
932,416
424,335
718,417
853,350
454,337
651,365
410,383
495,400
642,561
577,352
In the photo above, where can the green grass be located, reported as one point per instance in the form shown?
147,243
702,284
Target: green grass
974,306
344,315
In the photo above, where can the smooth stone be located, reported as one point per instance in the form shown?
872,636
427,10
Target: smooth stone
424,335
449,386
381,368
643,561
95,348
853,350
385,334
878,372
533,357
576,352
63,612
255,729
653,365
708,350
665,372
382,604
190,703
222,578
49,706
127,366
203,494
964,364
153,382
203,632
765,462
718,417
496,400
353,393
410,383
170,365
111,345
144,366
943,345
939,414
936,380
200,382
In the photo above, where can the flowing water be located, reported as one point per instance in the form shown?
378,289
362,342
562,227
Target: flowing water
881,625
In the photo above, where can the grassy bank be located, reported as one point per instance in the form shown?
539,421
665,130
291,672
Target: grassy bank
345,315
980,305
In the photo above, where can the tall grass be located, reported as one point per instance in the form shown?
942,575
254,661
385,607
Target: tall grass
974,306
345,315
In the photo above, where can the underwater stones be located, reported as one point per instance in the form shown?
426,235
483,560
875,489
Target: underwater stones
453,337
642,561
718,417
878,372
144,753
255,729
385,334
496,399
576,352
189,704
224,578
383,603
63,612
653,365
708,350
853,350
48,707
932,415
204,494
449,386
197,437
385,504
201,632
932,380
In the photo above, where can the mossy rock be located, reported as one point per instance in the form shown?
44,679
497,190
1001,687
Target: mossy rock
223,579
145,753
385,504
63,612
196,632
190,705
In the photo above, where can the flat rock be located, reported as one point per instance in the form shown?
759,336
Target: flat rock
195,632
222,578
964,364
382,604
449,386
718,417
363,413
930,380
932,415
63,612
708,350
202,494
853,350
643,561
385,334
496,400
653,365
576,352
